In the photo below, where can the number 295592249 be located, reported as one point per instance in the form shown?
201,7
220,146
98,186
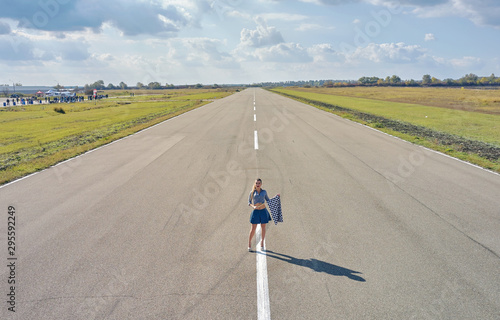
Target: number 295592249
11,231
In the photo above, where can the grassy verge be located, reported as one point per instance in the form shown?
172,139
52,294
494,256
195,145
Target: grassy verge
38,136
470,136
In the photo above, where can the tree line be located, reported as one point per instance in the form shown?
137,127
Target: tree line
427,80
100,85
394,80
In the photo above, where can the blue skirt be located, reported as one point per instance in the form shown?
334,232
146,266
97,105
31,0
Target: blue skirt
260,216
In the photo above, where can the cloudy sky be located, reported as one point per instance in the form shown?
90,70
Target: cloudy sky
74,42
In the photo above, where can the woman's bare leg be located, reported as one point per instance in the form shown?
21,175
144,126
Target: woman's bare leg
252,233
263,227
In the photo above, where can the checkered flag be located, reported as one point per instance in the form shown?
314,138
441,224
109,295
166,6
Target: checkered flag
275,207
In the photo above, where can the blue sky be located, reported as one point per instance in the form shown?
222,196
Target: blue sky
74,42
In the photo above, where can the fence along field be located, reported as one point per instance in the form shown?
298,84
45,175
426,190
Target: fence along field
464,123
34,137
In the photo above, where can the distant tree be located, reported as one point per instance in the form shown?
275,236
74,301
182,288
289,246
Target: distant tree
198,86
123,85
328,84
99,85
154,85
469,79
110,86
139,85
435,81
426,80
449,82
368,80
484,81
395,80
411,83
492,78
5,90
488,80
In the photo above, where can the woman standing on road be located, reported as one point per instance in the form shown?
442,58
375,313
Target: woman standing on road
259,215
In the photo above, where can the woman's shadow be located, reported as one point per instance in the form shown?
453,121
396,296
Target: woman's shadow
316,265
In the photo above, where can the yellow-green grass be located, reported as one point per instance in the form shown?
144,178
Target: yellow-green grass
470,125
467,99
35,137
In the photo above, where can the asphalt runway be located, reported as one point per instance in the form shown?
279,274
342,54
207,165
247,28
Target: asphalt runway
155,226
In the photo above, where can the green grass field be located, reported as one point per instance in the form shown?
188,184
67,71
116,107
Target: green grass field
35,137
478,124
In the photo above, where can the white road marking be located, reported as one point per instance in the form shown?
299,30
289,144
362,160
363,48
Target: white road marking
256,140
254,117
263,305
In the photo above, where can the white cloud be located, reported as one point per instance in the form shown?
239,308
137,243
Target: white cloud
388,52
323,53
312,27
283,16
106,57
205,51
266,44
466,62
283,52
239,15
261,36
4,28
429,37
